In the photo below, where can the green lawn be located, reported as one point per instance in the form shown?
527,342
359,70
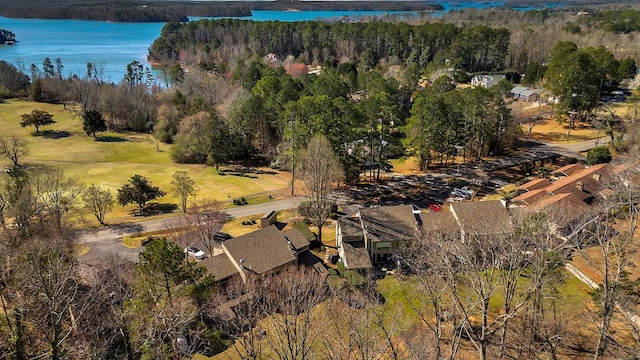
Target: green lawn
574,295
112,159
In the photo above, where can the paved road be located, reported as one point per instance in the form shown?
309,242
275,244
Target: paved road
572,149
107,241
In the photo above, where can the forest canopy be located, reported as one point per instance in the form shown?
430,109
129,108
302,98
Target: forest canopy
477,48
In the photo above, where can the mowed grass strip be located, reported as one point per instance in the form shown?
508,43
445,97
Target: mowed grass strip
113,158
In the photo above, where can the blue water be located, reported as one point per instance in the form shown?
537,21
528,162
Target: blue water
114,45
76,42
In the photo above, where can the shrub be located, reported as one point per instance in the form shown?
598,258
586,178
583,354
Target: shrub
341,268
598,155
353,278
572,160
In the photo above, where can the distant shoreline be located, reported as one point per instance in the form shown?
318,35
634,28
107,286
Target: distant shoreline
165,11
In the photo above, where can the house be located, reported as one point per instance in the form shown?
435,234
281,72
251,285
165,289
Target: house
385,229
481,218
439,224
525,94
575,187
261,252
568,170
350,243
376,234
486,81
533,185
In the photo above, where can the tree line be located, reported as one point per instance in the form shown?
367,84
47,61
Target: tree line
473,49
163,11
122,11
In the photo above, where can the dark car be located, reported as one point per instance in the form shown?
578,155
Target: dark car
220,236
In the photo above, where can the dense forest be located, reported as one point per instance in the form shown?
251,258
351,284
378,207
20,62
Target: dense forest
163,11
473,49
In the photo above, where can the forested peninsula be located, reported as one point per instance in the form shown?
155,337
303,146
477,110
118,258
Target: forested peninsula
163,11
478,48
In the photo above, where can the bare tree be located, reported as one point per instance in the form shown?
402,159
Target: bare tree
320,170
238,307
428,297
105,328
56,195
611,233
50,289
542,328
99,201
289,299
200,225
352,327
14,149
184,187
478,268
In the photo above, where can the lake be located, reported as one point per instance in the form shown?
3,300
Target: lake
114,45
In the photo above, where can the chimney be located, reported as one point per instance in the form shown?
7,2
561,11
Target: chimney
596,177
580,185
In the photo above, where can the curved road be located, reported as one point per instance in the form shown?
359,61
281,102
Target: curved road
571,149
107,241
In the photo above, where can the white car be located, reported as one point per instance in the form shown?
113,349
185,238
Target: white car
194,252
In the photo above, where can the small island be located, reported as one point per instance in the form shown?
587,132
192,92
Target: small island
7,37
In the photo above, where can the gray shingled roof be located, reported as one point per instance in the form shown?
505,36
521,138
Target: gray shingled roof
439,222
389,223
356,258
220,267
261,251
297,239
350,227
482,217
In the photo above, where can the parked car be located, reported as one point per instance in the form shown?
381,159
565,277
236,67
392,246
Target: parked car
416,210
220,236
195,252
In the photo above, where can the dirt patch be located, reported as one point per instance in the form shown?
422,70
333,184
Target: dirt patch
549,129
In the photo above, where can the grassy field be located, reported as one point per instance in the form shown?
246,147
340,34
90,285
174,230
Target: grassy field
113,158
